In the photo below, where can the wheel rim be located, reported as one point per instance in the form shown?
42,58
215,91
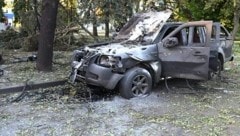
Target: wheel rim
140,85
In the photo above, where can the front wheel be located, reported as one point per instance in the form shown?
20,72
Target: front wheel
213,74
137,82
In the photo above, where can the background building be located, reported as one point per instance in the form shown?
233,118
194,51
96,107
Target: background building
8,13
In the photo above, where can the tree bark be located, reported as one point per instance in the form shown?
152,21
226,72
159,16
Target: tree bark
95,31
107,28
35,6
46,38
137,3
107,16
2,4
236,18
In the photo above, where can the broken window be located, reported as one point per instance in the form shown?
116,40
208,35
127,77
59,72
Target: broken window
223,33
214,32
182,35
198,34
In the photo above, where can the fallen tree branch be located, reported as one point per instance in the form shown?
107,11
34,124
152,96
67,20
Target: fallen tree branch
82,26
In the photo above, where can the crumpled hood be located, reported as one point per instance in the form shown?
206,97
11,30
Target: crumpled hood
114,49
137,52
144,25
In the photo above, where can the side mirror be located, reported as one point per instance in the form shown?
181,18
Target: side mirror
170,42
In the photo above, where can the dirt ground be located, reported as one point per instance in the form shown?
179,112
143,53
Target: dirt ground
210,108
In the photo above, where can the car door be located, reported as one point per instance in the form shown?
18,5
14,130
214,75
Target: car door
226,42
184,53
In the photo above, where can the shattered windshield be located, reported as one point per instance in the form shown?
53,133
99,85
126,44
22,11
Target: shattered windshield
144,26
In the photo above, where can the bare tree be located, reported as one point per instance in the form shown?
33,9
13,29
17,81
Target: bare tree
47,31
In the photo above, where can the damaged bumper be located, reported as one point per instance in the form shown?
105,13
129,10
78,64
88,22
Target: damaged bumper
94,74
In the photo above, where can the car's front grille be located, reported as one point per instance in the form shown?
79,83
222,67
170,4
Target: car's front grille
85,63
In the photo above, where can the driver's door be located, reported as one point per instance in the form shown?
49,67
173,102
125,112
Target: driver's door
189,58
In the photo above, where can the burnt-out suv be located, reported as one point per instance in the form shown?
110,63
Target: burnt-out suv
148,49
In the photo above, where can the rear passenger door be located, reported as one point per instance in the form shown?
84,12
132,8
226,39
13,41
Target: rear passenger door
190,57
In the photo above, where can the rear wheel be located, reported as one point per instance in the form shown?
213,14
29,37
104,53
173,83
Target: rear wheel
137,82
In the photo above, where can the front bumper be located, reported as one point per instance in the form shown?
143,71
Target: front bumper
96,75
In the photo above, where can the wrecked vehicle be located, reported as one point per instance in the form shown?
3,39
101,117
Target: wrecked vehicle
148,49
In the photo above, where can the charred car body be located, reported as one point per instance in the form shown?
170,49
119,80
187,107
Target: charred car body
148,49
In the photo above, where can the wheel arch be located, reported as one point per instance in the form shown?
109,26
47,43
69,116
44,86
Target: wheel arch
221,58
155,70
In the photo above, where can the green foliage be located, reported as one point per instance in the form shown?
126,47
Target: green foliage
66,12
238,36
119,11
24,15
116,12
2,4
192,10
20,6
11,39
216,10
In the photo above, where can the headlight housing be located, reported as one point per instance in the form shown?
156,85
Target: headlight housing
77,55
110,61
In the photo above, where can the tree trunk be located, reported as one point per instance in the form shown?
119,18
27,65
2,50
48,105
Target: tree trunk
236,24
95,31
35,6
107,26
107,16
137,6
144,5
46,38
2,4
236,18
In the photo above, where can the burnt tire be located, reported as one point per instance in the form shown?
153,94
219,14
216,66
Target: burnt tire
137,82
214,74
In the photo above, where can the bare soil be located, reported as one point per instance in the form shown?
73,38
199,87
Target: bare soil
205,108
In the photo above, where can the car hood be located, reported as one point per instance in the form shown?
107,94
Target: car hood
144,26
137,52
113,48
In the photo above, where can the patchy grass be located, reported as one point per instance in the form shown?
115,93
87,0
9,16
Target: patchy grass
20,72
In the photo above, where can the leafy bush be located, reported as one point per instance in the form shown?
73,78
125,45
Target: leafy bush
237,38
10,39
